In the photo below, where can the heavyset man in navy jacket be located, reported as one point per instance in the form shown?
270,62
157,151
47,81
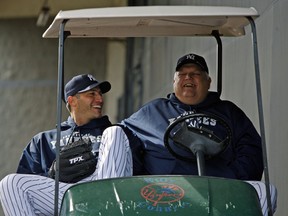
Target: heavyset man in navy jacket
241,160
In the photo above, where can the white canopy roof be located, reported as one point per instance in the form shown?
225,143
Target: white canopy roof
152,21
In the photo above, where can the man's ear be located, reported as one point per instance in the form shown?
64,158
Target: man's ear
71,101
209,81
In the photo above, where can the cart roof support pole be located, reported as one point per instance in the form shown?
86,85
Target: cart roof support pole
215,33
261,114
62,36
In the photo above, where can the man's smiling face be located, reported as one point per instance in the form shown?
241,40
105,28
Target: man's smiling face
87,106
191,84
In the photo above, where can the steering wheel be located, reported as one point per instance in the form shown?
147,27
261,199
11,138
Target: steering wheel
182,137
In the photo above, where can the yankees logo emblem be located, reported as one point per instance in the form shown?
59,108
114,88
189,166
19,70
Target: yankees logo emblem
91,77
191,56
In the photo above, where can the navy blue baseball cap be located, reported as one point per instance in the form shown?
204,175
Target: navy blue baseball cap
83,83
192,59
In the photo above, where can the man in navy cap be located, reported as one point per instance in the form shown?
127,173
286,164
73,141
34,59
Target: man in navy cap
83,97
242,158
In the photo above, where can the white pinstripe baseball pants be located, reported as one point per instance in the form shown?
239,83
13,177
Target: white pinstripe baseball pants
29,195
261,190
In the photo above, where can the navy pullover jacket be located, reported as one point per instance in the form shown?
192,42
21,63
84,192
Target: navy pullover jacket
241,160
39,154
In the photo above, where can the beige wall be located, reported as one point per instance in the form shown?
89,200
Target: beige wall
26,9
116,52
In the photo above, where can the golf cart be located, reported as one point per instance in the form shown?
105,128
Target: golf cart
171,195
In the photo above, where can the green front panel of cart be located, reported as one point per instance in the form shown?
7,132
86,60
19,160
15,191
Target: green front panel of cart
161,195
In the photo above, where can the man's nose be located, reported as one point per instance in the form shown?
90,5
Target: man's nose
98,98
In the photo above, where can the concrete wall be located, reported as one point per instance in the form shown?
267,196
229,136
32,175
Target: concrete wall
116,53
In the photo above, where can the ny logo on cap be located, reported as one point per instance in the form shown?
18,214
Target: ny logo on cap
91,77
190,57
